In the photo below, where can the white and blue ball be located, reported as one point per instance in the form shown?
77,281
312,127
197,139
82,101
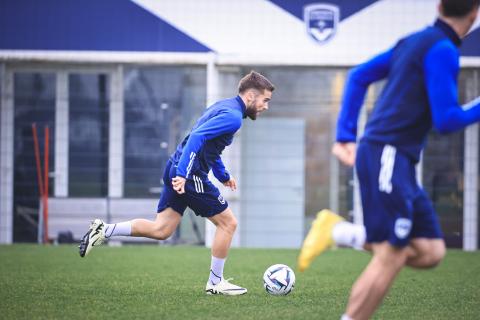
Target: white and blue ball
279,280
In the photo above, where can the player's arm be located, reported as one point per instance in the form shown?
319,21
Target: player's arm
214,127
222,175
356,87
441,71
218,169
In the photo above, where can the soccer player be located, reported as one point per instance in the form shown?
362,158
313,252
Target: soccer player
187,184
400,225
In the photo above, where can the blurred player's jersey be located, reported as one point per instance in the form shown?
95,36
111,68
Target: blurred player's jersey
402,113
421,71
200,151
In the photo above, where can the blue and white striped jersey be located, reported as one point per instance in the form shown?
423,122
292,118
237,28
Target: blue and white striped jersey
200,151
421,89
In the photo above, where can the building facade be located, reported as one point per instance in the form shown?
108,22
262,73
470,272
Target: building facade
119,84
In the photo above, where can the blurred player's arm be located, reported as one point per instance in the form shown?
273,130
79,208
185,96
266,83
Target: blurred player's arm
357,84
441,72
214,127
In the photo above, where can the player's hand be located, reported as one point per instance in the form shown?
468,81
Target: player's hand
345,152
178,184
232,184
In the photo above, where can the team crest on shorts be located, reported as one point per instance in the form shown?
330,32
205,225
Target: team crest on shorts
402,227
221,199
321,21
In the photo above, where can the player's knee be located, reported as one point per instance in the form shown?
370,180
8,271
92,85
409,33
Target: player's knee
436,255
432,257
225,221
231,225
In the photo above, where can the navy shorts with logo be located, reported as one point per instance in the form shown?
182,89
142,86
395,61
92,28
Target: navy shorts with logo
395,207
200,195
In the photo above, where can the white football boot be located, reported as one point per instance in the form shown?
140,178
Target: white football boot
224,287
94,237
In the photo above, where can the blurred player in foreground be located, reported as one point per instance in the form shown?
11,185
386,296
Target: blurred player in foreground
187,184
400,224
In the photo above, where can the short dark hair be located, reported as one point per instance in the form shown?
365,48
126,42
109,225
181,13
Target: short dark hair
458,8
255,80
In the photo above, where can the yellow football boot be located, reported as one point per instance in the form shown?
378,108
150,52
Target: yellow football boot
319,238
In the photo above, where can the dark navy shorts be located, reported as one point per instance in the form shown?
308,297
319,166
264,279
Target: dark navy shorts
200,195
395,208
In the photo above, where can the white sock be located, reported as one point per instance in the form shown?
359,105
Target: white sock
345,317
118,229
350,235
216,270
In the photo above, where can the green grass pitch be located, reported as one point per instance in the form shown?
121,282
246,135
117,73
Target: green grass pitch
162,282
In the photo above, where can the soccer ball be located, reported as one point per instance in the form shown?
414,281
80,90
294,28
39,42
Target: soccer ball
279,280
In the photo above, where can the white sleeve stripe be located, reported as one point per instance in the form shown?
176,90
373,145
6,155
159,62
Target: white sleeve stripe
471,104
190,164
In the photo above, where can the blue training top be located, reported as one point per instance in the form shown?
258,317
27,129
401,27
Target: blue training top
421,71
201,149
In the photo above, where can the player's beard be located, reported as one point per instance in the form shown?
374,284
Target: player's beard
251,111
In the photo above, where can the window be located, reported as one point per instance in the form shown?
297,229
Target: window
88,135
34,102
161,104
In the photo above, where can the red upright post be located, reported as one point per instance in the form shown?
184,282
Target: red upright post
39,175
37,158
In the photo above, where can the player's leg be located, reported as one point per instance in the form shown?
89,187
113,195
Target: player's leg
319,238
160,229
373,284
170,209
206,201
226,224
425,253
427,247
388,187
330,228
